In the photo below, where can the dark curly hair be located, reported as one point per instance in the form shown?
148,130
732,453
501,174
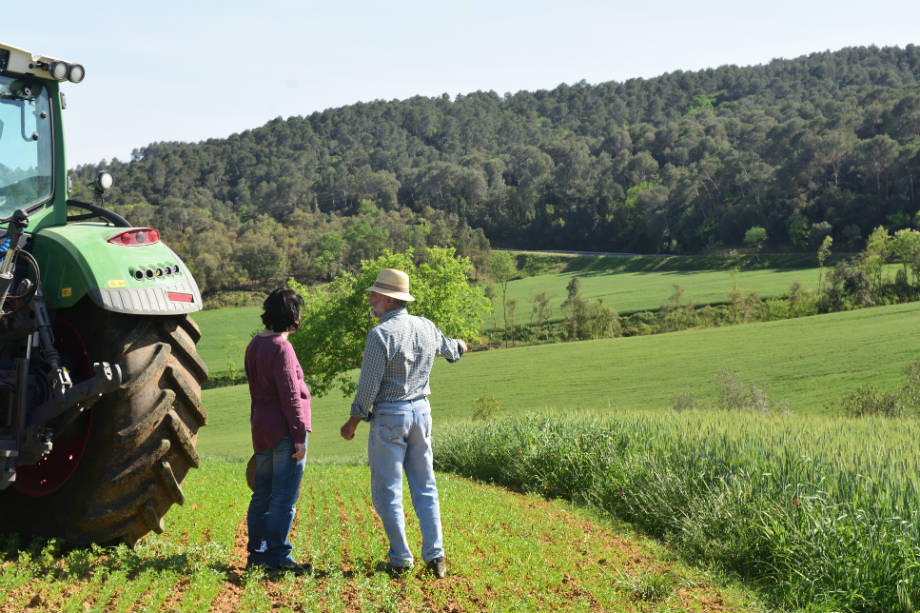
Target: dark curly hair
281,310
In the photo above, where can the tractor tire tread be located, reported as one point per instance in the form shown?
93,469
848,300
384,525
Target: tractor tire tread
142,436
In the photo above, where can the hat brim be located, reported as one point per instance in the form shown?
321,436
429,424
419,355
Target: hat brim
405,296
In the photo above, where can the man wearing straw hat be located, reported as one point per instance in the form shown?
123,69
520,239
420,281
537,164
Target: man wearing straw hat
392,395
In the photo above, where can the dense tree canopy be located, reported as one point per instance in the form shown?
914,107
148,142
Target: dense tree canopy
822,145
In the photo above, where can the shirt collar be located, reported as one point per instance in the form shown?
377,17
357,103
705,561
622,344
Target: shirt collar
391,314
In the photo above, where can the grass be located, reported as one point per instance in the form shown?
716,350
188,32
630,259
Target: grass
505,552
809,362
628,292
820,513
816,510
225,334
626,284
629,285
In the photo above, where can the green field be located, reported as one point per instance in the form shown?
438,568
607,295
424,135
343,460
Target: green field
726,488
787,500
627,285
809,362
225,334
505,552
819,512
594,422
627,292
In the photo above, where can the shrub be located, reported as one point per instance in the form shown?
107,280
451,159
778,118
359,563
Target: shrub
848,286
735,395
866,400
683,402
640,323
755,237
222,300
485,407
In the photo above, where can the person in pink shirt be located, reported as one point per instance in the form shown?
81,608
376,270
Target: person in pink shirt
280,420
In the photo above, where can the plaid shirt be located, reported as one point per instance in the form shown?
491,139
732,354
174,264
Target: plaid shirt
398,356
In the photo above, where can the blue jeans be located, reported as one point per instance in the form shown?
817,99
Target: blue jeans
400,439
271,510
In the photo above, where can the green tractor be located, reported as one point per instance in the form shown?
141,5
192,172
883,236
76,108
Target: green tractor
100,380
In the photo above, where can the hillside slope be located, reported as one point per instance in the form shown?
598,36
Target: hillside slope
819,145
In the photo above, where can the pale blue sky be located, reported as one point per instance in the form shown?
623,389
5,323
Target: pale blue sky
190,70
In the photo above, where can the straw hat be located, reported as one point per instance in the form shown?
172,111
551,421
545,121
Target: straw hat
393,283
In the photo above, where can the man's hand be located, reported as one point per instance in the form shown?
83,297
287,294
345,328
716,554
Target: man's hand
300,451
348,429
462,345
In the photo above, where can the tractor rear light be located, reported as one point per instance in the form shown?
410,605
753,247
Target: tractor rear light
180,297
135,237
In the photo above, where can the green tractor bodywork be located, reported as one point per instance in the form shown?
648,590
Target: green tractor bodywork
100,380
76,259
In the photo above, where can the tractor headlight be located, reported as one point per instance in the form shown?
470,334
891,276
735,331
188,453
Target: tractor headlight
76,73
58,70
104,181
62,71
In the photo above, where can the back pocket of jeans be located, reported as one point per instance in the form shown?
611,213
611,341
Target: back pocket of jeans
392,428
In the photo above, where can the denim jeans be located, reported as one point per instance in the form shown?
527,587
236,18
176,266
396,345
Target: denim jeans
271,510
400,439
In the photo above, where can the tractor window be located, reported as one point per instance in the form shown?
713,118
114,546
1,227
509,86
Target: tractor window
25,144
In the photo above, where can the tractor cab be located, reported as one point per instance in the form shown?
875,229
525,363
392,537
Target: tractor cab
32,165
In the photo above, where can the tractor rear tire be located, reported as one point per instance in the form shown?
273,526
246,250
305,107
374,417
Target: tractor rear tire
142,436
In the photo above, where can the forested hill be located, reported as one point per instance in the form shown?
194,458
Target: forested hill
822,144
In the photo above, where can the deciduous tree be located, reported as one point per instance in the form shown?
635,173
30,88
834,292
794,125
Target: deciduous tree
335,318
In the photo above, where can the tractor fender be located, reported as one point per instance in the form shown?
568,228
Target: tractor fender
77,260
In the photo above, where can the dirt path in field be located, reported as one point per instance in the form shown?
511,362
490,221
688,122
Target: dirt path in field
228,598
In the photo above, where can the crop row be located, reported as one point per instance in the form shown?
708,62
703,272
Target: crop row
505,552
819,512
